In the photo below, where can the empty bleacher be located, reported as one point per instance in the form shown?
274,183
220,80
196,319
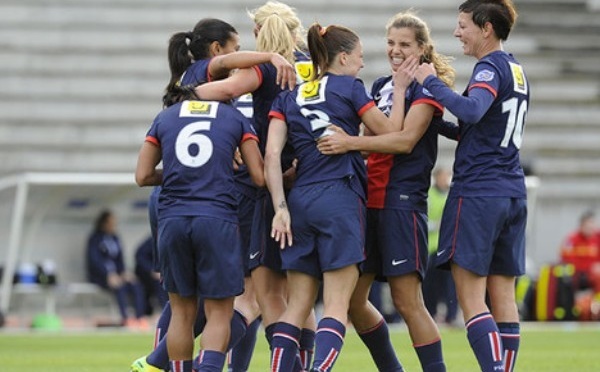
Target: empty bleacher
81,81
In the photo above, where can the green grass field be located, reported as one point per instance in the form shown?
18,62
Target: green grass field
544,348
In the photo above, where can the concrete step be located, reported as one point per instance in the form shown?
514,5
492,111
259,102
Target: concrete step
85,160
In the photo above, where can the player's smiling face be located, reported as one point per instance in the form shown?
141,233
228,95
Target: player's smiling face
468,33
401,44
354,60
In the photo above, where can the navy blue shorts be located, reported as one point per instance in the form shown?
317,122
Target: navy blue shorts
200,256
246,205
484,235
396,242
264,250
328,226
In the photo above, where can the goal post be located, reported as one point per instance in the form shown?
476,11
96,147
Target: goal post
22,185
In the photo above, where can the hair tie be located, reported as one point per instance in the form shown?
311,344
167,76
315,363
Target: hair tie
323,31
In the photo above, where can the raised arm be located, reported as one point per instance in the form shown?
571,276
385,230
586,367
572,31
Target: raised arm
241,82
468,109
221,66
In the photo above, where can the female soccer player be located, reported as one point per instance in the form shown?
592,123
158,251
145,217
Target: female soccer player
202,55
326,204
482,235
277,29
397,202
198,235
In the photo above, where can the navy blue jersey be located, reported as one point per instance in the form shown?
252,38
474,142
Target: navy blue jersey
242,176
196,74
308,110
487,156
402,181
198,140
264,96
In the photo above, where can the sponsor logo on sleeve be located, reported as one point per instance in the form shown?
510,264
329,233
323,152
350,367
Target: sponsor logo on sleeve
485,75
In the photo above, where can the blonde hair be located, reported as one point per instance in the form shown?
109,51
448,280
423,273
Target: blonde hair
441,63
280,29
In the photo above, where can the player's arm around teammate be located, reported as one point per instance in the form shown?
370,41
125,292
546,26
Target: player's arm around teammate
486,252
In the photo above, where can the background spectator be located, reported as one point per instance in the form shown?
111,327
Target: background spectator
148,277
106,268
582,249
438,284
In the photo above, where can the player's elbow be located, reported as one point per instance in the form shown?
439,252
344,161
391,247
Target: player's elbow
143,177
258,178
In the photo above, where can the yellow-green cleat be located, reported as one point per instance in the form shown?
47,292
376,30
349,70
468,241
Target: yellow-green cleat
140,365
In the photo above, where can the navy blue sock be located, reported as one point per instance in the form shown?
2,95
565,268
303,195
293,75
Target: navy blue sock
269,335
307,348
510,333
377,340
284,347
159,357
238,329
210,361
485,341
329,341
163,323
430,356
241,354
181,365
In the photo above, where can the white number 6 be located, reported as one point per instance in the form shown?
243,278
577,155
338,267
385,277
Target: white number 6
188,137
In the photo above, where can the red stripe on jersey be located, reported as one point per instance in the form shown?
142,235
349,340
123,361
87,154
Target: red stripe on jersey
260,75
439,109
365,108
153,140
485,86
456,227
249,136
379,167
277,115
416,238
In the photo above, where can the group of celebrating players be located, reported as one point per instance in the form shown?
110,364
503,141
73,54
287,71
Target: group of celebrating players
252,240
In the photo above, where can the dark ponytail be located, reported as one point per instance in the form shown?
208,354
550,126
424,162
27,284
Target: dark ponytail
325,43
187,47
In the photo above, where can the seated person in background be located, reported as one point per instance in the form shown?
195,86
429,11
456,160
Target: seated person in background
148,276
106,268
582,249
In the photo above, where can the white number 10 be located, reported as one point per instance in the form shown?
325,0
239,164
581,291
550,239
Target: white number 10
515,123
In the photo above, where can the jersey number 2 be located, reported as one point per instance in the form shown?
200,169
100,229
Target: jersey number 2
189,137
515,123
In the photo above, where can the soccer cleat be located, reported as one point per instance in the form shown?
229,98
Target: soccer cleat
140,365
